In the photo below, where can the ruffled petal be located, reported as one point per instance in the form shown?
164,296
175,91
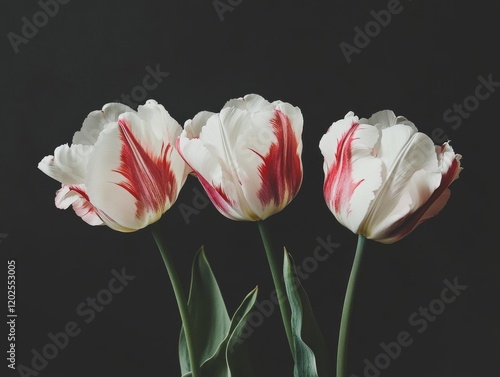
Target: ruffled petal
77,197
68,165
252,103
194,126
96,121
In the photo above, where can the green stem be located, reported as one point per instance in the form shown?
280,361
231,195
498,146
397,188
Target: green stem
346,310
278,282
180,297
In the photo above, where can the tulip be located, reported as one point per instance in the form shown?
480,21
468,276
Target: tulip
382,177
122,168
248,160
247,157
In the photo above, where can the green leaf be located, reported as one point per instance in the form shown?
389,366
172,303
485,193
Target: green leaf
310,352
219,340
231,358
209,318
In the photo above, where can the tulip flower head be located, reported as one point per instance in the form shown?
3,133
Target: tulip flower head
122,168
247,157
383,177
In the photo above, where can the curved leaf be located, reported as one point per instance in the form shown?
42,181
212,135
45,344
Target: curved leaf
231,359
310,351
209,317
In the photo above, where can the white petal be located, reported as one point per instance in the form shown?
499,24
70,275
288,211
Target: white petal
408,183
269,157
161,126
251,102
155,128
66,197
402,120
446,156
68,165
213,156
76,196
352,173
129,180
296,119
392,143
96,121
383,118
329,143
194,126
227,152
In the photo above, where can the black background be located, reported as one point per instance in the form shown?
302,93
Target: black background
426,59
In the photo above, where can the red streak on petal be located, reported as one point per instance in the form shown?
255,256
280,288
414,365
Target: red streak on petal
81,191
339,185
406,225
148,178
281,169
82,207
216,195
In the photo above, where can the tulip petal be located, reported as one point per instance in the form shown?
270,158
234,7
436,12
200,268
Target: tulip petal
68,164
449,166
162,129
352,173
133,178
193,126
247,157
213,158
411,176
77,197
382,119
281,168
252,103
96,121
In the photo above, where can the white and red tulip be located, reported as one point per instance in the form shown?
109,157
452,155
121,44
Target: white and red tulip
122,168
247,157
383,177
